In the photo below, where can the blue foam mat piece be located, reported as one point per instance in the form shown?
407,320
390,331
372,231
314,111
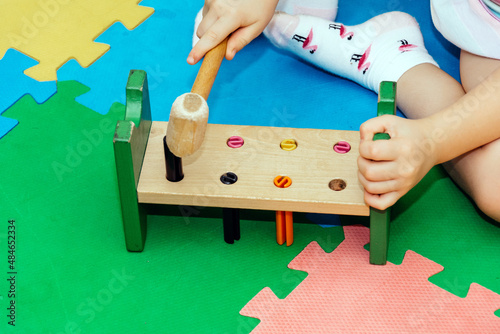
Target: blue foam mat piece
6,124
261,86
324,220
15,84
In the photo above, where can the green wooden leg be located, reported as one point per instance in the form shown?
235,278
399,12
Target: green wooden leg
380,219
379,235
131,137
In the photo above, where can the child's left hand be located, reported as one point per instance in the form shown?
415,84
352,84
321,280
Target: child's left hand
388,169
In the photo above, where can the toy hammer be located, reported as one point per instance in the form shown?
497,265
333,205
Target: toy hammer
189,115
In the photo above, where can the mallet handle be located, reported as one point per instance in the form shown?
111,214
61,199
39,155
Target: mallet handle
208,70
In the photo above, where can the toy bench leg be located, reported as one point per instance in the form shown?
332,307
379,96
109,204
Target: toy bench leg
379,235
129,143
133,213
380,219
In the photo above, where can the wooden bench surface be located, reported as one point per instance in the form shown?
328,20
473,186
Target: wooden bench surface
311,166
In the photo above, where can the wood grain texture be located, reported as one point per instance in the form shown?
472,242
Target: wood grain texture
137,97
311,167
208,70
187,124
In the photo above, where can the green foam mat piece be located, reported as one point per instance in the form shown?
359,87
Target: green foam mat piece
73,272
74,275
437,220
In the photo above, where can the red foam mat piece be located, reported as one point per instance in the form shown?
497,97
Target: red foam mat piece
343,293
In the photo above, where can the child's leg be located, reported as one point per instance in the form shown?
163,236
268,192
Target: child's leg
326,9
476,172
474,69
426,89
382,48
423,89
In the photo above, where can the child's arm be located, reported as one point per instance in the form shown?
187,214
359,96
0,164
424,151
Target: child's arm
246,19
389,169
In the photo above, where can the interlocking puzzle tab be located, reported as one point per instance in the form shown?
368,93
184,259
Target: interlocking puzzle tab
54,31
157,43
15,85
344,294
6,124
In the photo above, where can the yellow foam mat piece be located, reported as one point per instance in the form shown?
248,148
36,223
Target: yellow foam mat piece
55,31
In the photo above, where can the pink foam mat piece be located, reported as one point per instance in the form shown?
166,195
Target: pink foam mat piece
343,293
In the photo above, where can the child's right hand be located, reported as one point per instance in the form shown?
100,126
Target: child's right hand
246,19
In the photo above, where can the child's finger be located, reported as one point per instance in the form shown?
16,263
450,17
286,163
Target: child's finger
241,38
380,150
378,171
383,201
212,37
208,20
375,125
377,188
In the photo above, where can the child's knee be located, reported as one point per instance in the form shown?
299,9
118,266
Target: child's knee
487,199
483,178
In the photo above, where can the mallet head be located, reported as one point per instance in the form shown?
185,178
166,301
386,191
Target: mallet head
187,124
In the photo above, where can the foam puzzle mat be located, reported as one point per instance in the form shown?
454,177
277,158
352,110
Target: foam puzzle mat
343,293
52,32
65,66
15,85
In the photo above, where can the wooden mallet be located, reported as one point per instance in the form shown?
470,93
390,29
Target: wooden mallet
189,115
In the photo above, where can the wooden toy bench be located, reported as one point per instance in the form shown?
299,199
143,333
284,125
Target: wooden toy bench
323,179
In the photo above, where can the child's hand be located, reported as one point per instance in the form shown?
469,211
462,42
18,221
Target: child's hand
388,169
246,19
